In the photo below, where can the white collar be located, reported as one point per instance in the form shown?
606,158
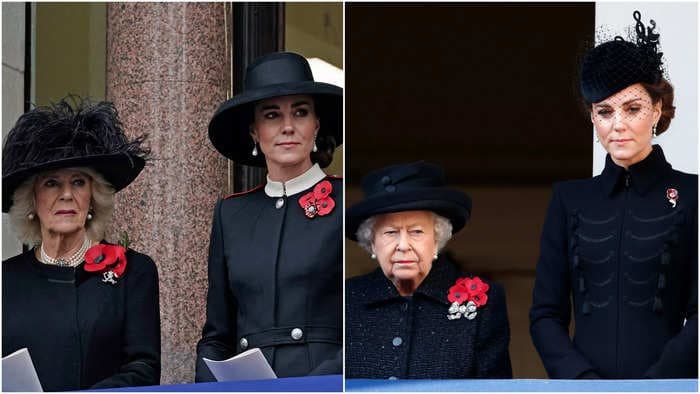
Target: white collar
293,186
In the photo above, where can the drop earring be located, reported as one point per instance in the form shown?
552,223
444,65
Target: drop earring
255,149
653,131
89,216
315,148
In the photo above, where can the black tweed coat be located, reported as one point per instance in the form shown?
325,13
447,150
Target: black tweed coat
629,257
390,336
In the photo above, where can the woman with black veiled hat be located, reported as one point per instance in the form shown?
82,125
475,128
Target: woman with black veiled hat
417,316
275,253
86,310
623,244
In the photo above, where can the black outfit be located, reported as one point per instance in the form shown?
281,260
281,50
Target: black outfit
390,336
275,281
629,257
80,331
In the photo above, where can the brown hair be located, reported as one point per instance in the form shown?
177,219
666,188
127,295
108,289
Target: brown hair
662,90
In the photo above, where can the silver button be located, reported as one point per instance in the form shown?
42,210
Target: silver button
397,341
279,203
244,343
297,333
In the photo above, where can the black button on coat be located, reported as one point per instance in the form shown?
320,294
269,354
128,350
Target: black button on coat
81,332
627,253
390,336
272,270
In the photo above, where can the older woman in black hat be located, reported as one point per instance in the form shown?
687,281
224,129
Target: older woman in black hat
86,310
417,316
275,254
624,243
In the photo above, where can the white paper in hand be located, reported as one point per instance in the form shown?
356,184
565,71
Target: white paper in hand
249,365
18,373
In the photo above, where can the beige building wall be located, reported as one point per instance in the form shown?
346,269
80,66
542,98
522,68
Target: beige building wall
13,74
316,30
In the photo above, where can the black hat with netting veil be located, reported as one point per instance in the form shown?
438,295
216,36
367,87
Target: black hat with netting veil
617,64
273,75
70,133
418,186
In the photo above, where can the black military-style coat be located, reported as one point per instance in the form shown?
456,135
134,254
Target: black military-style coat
624,245
81,332
275,282
395,337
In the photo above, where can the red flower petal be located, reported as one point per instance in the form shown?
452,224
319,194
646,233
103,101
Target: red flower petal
458,293
98,257
480,299
121,261
306,199
477,286
322,190
325,206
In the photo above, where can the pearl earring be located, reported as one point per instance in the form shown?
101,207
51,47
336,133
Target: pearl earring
89,216
315,149
255,149
30,216
373,256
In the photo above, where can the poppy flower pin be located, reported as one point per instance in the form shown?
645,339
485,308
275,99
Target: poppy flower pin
318,201
672,196
466,295
109,260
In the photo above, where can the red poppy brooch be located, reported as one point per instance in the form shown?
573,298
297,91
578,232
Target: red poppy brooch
319,201
672,196
466,296
109,260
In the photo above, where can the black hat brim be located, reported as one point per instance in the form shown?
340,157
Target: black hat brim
118,169
229,128
450,203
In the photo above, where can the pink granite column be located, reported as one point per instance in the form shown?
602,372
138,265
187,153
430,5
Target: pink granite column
167,71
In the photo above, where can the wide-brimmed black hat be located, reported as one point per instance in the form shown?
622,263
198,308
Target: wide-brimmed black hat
70,133
617,64
273,75
416,186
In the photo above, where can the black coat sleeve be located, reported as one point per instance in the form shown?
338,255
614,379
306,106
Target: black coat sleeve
550,314
679,358
492,357
141,364
219,332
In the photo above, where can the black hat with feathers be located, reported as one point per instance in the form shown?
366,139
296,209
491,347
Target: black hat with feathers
70,133
617,64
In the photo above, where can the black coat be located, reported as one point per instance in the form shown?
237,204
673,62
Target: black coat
629,259
273,270
80,331
390,336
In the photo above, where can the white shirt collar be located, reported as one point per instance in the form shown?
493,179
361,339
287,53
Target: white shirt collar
293,186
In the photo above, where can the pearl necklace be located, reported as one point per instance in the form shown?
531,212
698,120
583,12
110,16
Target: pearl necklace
72,261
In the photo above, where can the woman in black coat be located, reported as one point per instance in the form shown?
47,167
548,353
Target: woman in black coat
87,311
275,254
417,316
624,243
